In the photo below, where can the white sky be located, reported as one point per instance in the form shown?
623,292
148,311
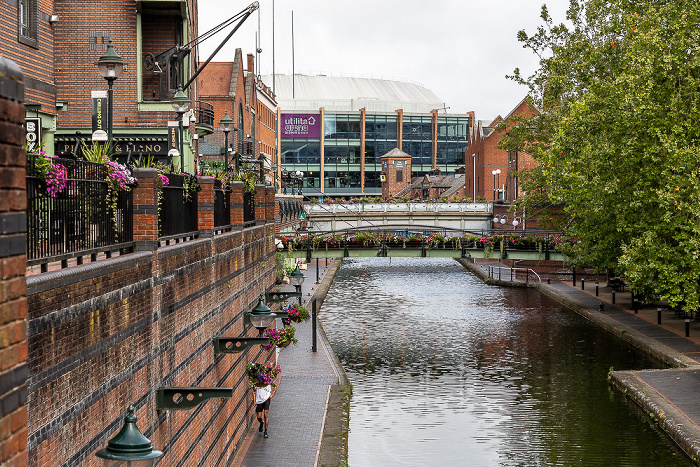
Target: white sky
459,49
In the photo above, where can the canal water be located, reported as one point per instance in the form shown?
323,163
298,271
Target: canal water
447,371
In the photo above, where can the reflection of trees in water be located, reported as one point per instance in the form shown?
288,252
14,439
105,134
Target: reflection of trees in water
515,357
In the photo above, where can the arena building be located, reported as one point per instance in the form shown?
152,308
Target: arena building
335,129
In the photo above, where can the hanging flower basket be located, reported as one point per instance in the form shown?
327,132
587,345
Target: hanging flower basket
280,337
262,374
298,313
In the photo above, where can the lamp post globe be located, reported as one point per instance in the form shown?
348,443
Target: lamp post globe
226,125
296,278
110,66
129,446
181,104
261,316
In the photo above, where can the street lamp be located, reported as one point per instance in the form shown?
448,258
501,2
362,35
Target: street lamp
129,446
296,278
494,173
111,67
300,178
180,105
261,316
226,125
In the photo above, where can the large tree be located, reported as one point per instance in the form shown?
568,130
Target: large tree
618,138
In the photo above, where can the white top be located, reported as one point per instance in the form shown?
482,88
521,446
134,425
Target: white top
262,394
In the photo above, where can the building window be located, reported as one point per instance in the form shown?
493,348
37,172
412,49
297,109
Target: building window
26,22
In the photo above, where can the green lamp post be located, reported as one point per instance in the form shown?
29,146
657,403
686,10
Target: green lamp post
111,67
180,104
296,278
261,316
129,446
226,124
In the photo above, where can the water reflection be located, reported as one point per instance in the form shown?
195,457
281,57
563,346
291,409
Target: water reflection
448,371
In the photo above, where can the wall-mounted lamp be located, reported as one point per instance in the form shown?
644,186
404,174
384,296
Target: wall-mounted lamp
261,316
54,18
516,221
129,445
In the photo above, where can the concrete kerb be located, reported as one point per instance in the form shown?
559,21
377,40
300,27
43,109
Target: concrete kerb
677,425
334,437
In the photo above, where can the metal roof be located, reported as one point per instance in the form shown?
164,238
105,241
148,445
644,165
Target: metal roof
336,93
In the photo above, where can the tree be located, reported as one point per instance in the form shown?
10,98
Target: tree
618,87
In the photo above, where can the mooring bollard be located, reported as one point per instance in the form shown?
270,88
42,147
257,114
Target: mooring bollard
658,315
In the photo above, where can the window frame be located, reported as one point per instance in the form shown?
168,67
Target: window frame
28,34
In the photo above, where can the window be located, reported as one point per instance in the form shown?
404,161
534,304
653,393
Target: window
26,22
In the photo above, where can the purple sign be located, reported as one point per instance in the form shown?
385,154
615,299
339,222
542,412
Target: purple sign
301,126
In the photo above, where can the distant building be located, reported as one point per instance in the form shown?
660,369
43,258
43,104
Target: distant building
335,130
240,94
483,157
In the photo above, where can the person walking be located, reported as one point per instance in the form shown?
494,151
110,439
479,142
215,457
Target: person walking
262,397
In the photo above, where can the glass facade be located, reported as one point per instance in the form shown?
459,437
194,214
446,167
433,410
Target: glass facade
380,138
301,147
451,141
418,142
341,136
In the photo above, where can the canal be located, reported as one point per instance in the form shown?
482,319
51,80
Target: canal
448,371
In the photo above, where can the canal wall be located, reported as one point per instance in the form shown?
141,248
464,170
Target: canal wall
108,334
660,410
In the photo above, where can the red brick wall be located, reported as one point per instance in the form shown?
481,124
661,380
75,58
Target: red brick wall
36,62
13,263
109,334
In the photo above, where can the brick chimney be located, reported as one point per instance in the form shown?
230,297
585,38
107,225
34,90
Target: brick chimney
251,63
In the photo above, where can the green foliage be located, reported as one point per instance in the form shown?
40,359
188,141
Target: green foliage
617,140
95,152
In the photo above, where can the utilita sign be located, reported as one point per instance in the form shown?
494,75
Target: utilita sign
301,126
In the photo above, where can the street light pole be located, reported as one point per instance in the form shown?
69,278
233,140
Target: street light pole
111,66
226,126
180,104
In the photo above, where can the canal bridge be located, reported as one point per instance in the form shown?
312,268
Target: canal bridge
401,240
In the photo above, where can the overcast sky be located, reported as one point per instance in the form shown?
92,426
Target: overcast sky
459,49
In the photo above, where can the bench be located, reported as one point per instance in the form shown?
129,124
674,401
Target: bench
617,284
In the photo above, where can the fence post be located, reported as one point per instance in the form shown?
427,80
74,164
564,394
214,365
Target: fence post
145,198
236,203
205,207
260,205
270,206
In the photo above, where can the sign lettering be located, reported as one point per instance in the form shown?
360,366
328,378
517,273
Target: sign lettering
33,133
99,111
301,126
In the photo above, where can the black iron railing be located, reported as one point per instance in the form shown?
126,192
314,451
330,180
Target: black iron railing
248,206
79,219
178,207
222,205
205,114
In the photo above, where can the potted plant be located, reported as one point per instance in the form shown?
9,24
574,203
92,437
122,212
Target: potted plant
281,337
262,374
298,313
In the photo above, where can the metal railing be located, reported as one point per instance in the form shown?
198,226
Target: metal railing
222,205
205,114
512,273
178,208
79,220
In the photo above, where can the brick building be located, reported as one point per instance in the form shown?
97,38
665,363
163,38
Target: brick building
483,157
59,46
240,94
